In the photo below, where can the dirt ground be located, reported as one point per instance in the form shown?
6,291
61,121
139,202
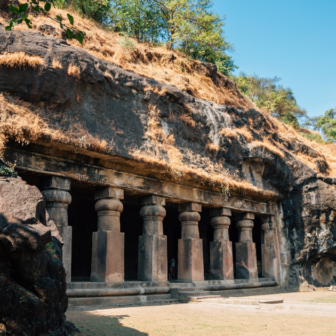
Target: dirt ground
210,318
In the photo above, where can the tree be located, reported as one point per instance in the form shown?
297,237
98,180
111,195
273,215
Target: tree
266,93
22,15
141,19
192,22
97,10
326,123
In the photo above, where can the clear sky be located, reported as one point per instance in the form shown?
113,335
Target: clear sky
291,39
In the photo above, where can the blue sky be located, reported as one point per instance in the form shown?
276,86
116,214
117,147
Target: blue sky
291,39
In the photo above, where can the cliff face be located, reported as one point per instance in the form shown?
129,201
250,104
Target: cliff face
155,129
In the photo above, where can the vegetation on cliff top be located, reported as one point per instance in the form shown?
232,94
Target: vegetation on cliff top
150,59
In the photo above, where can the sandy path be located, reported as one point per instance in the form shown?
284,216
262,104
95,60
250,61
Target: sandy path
206,318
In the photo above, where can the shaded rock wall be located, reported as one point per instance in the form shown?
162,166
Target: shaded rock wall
33,296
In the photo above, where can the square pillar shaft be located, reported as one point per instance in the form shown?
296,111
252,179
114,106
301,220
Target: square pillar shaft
190,247
221,257
221,260
246,255
268,255
152,257
246,261
108,243
107,256
190,260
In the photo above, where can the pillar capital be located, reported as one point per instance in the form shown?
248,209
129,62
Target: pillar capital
267,223
109,192
153,200
56,182
245,224
57,196
191,206
220,212
220,221
245,227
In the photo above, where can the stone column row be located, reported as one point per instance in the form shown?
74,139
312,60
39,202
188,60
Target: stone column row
108,242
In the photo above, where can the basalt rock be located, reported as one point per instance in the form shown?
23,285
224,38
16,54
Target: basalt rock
115,105
33,296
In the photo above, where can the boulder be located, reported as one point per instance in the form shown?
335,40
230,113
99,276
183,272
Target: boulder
32,276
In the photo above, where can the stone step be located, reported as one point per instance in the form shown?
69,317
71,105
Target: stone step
196,293
121,300
201,298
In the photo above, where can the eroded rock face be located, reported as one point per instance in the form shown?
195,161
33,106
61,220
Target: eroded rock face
116,105
309,234
33,296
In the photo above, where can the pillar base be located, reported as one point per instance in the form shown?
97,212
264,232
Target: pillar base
246,261
269,261
107,256
221,261
190,260
152,258
66,234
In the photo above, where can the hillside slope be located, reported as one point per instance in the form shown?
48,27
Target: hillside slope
195,78
55,94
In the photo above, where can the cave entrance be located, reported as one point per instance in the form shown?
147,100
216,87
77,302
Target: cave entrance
131,225
234,238
206,234
82,218
172,229
257,239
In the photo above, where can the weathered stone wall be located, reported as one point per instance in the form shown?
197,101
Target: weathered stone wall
118,107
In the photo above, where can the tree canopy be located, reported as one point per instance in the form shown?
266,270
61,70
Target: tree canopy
268,94
325,123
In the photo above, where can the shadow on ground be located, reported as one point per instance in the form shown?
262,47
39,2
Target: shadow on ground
98,325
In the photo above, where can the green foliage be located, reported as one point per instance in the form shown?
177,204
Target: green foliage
276,99
141,19
7,169
204,53
326,123
127,43
313,137
22,14
97,10
50,249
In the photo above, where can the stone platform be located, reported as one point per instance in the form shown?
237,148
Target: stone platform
147,292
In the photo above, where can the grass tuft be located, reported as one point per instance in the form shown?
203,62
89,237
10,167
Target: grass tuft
20,60
57,64
74,70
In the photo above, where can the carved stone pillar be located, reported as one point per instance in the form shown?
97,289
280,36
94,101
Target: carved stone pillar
221,258
190,247
246,256
152,257
108,243
269,259
57,197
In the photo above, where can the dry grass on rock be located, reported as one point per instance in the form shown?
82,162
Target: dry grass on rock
24,122
74,70
20,60
56,64
159,63
269,147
